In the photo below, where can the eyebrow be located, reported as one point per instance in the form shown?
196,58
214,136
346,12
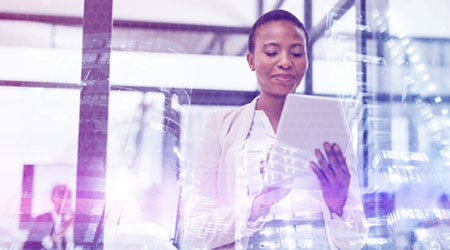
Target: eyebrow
271,44
276,44
297,44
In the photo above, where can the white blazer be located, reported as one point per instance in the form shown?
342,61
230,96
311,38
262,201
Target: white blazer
216,211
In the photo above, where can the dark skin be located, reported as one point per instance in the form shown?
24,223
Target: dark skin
280,62
333,176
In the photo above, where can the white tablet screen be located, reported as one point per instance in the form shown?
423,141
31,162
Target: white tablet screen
305,124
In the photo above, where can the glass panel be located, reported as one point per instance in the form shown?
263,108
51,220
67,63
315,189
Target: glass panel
38,153
166,52
215,12
44,7
145,143
40,41
402,20
197,48
134,169
335,53
320,11
407,128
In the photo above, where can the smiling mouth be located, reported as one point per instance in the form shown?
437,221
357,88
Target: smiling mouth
283,77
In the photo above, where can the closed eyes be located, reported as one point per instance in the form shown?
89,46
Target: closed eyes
271,53
297,54
274,53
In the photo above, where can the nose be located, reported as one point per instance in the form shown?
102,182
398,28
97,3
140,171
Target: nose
285,61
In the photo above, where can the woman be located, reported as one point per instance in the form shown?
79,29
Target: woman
232,202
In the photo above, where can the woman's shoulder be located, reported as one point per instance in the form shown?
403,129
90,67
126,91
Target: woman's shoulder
229,115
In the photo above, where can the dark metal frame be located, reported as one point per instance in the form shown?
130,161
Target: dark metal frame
361,48
318,31
93,133
208,97
308,9
117,23
186,96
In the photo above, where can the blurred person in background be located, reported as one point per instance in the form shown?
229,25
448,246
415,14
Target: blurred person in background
54,230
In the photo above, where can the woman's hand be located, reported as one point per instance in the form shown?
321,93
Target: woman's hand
268,197
334,177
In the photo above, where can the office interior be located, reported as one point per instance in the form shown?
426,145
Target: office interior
109,98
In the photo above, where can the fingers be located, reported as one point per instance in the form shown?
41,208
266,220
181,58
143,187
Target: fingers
334,168
336,159
268,197
340,158
333,176
282,192
259,208
275,194
267,189
320,175
331,157
324,166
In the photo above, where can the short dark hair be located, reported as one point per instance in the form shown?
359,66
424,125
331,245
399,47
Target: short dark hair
274,15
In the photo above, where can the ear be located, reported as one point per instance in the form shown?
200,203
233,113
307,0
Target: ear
251,61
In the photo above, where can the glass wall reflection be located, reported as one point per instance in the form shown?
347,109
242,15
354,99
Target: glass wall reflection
175,62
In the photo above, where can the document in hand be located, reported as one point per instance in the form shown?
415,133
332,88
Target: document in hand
306,123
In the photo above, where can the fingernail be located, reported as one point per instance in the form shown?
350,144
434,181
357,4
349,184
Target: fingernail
336,147
327,146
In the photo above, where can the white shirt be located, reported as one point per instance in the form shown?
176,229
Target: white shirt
257,145
259,141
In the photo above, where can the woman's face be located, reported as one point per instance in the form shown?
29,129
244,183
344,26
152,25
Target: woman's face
279,59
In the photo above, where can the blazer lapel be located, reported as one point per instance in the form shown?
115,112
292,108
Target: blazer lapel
235,145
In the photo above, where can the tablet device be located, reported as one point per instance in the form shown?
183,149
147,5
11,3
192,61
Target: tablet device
306,123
